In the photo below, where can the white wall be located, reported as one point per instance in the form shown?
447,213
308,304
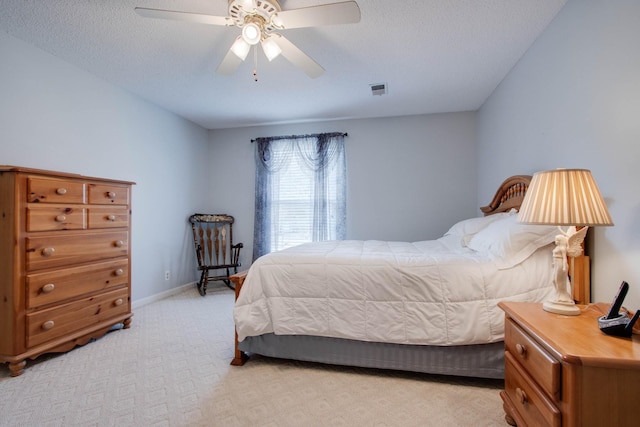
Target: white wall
409,178
573,100
55,116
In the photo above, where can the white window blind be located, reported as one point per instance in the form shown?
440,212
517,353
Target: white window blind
293,203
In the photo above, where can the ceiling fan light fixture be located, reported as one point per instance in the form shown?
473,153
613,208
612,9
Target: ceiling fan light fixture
241,48
271,49
251,33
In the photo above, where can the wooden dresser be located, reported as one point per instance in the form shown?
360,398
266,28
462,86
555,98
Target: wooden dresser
64,261
563,371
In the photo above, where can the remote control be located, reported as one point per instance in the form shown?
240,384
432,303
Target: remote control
617,301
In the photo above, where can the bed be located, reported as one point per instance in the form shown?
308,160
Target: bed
428,306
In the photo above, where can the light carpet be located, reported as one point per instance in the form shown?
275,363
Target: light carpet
171,368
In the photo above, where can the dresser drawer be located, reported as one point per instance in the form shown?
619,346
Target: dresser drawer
535,360
108,194
108,217
50,190
527,397
65,319
50,218
59,285
61,249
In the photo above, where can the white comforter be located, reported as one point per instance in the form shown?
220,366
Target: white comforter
429,292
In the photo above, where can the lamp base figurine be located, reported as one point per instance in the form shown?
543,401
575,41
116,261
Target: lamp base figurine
560,307
568,243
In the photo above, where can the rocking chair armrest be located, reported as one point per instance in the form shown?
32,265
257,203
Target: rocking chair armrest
235,253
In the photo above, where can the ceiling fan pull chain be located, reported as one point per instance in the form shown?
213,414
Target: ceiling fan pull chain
255,64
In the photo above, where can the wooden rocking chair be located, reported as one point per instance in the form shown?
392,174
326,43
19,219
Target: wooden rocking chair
215,251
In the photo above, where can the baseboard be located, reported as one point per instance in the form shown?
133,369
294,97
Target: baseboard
162,295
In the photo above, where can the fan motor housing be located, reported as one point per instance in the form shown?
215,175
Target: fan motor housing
262,11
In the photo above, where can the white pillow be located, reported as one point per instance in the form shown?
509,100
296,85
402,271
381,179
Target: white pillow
510,242
467,228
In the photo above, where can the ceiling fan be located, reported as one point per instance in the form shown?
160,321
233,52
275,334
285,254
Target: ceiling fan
259,20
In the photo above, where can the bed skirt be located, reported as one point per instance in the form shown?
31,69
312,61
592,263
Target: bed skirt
482,361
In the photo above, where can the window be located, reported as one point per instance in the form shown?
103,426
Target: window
300,191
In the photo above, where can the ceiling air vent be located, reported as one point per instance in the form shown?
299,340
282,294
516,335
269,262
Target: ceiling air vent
378,89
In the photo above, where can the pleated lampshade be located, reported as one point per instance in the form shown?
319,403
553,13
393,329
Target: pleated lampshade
564,197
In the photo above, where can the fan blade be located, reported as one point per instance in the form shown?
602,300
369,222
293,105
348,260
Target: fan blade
297,57
346,12
229,64
183,16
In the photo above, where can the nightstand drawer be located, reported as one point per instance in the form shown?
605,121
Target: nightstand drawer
46,325
527,397
59,285
535,360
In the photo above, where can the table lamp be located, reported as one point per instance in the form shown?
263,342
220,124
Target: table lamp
564,197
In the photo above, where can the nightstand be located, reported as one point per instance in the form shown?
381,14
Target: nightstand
563,371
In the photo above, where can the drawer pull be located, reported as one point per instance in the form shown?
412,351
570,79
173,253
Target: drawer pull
61,218
111,218
47,252
521,395
48,325
118,302
111,195
522,350
61,191
118,272
48,288
118,243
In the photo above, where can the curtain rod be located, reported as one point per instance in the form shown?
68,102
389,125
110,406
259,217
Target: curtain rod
298,136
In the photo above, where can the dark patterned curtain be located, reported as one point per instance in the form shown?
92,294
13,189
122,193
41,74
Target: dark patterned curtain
322,156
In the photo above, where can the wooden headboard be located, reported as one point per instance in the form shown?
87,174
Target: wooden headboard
509,196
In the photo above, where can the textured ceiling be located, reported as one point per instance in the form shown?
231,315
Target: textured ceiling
435,56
